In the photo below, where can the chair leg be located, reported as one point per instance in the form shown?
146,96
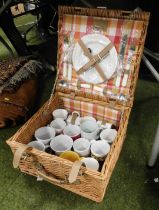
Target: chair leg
155,150
24,34
150,67
8,26
7,46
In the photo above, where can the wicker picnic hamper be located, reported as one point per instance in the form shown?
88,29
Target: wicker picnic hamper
73,96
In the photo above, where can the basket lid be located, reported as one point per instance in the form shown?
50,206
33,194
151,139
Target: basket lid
99,52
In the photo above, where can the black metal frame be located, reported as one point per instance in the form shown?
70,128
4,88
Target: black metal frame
17,40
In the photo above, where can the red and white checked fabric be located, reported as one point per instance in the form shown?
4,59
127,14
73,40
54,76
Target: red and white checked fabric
92,109
114,29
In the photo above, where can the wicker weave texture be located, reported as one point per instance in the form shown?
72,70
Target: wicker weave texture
92,184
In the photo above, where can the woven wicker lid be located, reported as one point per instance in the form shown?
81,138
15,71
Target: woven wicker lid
125,30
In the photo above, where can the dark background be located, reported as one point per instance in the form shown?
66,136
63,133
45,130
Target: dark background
152,40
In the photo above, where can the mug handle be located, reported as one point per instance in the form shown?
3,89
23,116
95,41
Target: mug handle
75,114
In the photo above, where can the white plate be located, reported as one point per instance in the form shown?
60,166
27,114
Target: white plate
96,43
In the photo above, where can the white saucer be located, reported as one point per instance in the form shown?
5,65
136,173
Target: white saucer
96,43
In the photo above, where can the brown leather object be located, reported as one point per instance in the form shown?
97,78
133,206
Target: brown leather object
10,66
15,107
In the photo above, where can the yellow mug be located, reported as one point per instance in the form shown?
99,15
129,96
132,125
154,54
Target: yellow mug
70,155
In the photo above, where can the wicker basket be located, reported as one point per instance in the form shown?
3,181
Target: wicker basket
87,183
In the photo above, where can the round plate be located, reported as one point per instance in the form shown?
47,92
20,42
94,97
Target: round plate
95,43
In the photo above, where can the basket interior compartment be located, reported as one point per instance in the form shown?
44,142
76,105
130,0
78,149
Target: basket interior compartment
86,108
91,108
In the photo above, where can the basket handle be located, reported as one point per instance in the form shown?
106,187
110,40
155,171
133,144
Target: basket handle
50,178
72,178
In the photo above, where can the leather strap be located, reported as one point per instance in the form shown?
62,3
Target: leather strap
18,155
10,100
50,178
74,171
22,107
94,59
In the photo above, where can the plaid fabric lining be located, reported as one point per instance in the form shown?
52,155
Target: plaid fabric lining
114,30
91,109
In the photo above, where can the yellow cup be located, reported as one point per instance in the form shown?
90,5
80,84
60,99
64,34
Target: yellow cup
70,155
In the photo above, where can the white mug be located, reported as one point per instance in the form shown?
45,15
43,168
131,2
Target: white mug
82,147
58,124
44,134
60,113
89,129
61,143
86,118
99,149
108,135
37,144
104,125
73,131
91,163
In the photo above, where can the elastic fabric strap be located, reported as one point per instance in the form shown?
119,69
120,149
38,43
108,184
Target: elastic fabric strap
94,60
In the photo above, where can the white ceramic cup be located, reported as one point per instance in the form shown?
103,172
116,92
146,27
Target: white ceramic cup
82,147
99,149
91,163
61,143
37,144
104,125
73,131
108,135
58,124
60,113
89,129
86,118
44,134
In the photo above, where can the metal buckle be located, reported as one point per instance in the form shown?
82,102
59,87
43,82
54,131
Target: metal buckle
99,57
25,156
